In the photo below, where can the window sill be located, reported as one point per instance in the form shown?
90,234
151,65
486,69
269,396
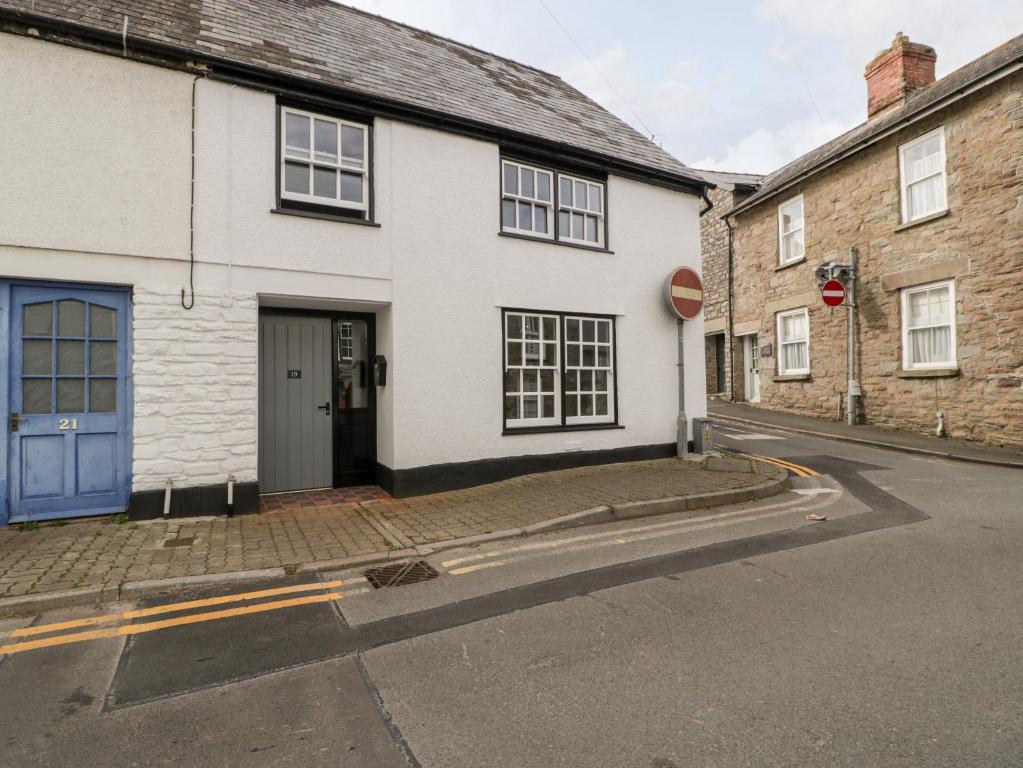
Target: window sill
788,264
926,373
551,241
791,377
324,216
923,220
566,428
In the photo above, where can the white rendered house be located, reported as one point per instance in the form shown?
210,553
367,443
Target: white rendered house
339,251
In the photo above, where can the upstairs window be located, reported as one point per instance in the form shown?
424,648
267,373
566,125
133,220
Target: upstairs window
790,231
794,342
928,326
531,195
324,161
922,176
580,211
527,200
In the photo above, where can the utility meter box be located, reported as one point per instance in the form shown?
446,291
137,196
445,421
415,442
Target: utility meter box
703,436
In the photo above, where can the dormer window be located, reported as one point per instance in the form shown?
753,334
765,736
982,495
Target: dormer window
324,162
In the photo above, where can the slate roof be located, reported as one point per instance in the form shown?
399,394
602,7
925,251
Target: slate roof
947,87
729,181
359,52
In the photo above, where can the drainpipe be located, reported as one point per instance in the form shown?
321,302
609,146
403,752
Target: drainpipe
167,498
706,199
230,495
730,327
682,425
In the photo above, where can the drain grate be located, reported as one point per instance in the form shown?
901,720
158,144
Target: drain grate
400,574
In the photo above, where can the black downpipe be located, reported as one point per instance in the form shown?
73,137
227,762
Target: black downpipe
730,341
706,199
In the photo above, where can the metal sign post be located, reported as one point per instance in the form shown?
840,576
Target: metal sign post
682,425
685,298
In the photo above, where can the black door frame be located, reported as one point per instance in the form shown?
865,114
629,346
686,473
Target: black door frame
335,318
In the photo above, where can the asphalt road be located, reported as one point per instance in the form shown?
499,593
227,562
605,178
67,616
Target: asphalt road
889,634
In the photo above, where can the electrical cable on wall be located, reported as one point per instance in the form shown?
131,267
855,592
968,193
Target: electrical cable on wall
191,216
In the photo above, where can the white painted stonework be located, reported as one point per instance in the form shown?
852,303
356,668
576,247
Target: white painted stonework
114,209
195,384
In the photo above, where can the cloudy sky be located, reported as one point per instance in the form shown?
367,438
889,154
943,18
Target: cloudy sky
740,85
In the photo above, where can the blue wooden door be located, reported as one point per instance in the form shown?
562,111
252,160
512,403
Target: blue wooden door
69,450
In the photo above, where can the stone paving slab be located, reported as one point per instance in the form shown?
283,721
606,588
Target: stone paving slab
101,553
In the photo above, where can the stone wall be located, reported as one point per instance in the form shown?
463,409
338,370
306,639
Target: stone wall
979,243
194,379
714,255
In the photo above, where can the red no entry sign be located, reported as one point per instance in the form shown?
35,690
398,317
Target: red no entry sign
833,293
685,293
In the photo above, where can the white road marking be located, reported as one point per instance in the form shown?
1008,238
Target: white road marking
754,436
604,534
813,491
629,539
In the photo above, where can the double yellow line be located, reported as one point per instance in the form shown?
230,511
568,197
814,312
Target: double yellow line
152,626
798,469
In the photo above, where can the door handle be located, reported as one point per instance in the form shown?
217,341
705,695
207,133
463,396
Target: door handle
324,407
15,421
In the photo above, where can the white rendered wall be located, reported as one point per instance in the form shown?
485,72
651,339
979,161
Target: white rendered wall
451,283
95,152
435,272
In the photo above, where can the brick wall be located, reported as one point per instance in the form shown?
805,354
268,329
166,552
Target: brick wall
979,244
194,376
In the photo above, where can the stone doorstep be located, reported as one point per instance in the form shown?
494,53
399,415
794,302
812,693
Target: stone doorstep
135,590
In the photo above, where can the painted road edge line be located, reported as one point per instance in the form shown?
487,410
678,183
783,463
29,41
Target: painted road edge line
653,534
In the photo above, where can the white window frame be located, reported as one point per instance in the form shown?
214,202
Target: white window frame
534,201
585,212
907,363
346,341
521,393
805,312
608,346
904,187
782,234
339,165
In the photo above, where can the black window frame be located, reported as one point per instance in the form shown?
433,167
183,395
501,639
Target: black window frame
313,210
556,172
563,426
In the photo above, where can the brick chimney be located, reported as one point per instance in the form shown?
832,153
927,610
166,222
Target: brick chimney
897,72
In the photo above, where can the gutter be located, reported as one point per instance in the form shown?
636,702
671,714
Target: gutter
981,82
213,67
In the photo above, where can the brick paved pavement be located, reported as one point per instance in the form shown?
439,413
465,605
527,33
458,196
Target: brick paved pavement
101,552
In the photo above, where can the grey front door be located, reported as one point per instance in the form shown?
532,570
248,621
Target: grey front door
295,424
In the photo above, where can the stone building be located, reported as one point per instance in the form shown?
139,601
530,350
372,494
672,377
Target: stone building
730,189
927,195
271,262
